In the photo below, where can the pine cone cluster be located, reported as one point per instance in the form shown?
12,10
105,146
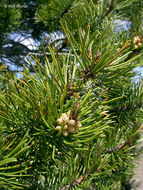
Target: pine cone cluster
138,41
67,125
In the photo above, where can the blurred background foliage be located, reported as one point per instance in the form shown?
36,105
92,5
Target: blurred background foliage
35,20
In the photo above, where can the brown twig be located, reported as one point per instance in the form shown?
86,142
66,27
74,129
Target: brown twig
111,7
77,181
127,143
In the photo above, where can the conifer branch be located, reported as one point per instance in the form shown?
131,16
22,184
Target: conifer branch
111,7
77,181
127,143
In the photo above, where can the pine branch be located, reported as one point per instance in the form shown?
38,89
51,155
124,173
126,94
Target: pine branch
111,7
77,181
57,40
127,143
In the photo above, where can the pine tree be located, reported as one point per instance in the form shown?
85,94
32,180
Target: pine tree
75,123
